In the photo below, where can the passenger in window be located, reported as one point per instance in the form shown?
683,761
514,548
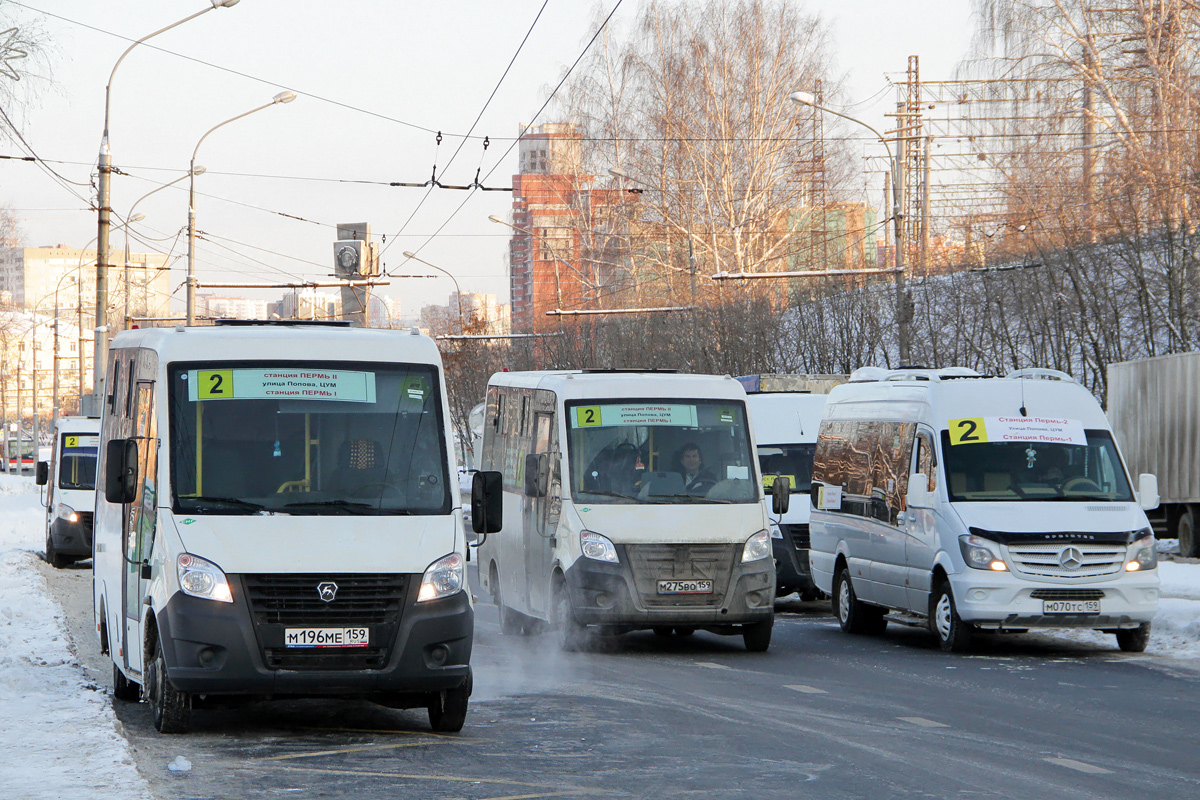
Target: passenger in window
1050,466
696,478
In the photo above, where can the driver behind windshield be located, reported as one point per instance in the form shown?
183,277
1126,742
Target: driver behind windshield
697,479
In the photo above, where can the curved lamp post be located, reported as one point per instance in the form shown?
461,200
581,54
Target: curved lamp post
808,99
462,328
135,218
282,97
104,209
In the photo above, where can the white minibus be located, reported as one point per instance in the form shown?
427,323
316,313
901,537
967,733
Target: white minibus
786,412
633,502
979,504
277,517
70,494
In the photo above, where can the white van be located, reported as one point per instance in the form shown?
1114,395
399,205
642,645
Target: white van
786,419
277,517
979,504
70,480
633,502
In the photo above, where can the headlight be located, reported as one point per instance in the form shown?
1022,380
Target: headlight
757,546
442,578
201,578
597,547
980,553
64,511
1143,553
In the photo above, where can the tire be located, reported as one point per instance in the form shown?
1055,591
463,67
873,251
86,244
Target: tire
953,635
572,637
1134,640
757,637
1189,542
853,615
55,558
510,622
448,708
123,688
172,708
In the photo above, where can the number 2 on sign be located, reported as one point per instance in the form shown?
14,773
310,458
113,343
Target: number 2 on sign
588,416
215,384
967,431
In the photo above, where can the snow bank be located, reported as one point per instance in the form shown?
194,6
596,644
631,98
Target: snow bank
59,730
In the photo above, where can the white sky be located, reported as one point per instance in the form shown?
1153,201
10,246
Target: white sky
430,64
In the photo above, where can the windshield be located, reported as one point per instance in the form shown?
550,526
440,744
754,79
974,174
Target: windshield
1008,471
77,465
320,438
793,461
660,451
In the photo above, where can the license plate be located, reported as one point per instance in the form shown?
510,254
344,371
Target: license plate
704,586
1070,606
326,637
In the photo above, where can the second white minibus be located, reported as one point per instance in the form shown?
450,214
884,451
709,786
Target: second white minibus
632,500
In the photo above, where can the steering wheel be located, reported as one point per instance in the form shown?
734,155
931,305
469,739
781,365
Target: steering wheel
1080,483
701,486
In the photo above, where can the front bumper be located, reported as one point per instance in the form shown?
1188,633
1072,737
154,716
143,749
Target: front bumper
72,538
792,572
217,648
998,600
624,595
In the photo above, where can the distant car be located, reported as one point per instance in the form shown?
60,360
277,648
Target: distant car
68,471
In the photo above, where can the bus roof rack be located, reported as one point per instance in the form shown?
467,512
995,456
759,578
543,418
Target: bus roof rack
1039,373
622,370
286,323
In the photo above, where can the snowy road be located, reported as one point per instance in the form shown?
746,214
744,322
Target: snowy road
822,714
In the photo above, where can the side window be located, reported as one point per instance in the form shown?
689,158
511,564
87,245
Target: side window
926,462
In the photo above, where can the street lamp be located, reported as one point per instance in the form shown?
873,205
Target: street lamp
902,300
282,97
104,208
462,328
137,217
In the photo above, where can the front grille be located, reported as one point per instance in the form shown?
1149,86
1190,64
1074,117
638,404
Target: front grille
651,563
799,534
1067,594
1043,559
362,599
85,526
280,601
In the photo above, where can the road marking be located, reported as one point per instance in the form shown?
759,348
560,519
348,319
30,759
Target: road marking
1079,766
712,665
800,687
924,723
550,789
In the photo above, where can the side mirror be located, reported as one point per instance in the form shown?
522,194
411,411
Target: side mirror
537,475
1148,491
781,494
120,471
487,502
42,475
918,495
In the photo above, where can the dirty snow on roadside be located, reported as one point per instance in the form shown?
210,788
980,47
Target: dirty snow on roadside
59,731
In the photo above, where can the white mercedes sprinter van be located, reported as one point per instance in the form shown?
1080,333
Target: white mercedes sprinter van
70,481
277,517
979,504
632,501
786,412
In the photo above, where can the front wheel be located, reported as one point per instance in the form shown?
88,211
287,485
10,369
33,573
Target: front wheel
1134,640
172,708
953,634
448,708
123,688
55,558
1189,543
853,615
572,636
757,637
510,622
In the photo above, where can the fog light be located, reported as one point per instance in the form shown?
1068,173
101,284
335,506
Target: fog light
604,600
979,594
206,656
754,598
439,654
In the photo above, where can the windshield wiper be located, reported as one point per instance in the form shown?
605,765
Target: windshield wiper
345,505
234,502
1078,496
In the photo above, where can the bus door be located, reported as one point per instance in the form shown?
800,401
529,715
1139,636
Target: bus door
138,521
541,511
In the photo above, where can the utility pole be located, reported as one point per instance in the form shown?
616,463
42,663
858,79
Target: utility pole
925,211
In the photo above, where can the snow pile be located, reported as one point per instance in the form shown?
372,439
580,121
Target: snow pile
59,731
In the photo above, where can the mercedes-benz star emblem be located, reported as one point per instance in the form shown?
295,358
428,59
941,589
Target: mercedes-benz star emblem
1070,558
327,590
